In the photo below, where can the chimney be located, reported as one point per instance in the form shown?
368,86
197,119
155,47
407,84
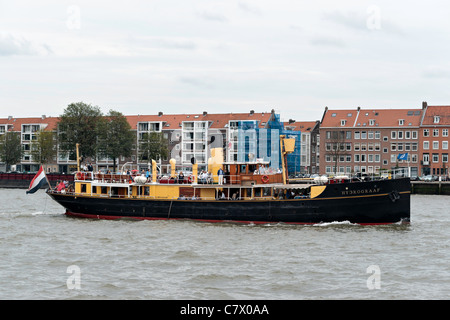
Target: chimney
424,105
10,117
205,113
291,121
43,116
252,112
160,114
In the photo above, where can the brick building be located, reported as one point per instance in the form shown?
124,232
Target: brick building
434,135
369,140
189,136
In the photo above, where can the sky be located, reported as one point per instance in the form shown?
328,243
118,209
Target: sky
221,56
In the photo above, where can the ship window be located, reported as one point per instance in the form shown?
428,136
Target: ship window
104,190
83,188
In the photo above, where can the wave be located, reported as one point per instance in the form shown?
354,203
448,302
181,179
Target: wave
334,223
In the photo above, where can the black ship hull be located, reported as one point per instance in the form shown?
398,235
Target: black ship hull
365,203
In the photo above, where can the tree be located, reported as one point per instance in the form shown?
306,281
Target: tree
80,123
117,139
43,149
10,148
336,146
153,146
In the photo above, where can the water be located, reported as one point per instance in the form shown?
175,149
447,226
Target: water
40,247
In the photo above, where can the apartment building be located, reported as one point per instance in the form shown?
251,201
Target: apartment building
434,132
189,136
28,128
309,144
369,141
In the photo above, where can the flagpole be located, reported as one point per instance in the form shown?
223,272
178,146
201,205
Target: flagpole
46,177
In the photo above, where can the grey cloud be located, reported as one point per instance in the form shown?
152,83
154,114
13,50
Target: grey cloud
436,73
11,45
359,21
249,8
327,41
212,16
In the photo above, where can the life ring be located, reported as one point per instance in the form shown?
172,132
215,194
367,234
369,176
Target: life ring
265,179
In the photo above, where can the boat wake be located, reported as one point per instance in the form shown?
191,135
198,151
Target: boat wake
335,223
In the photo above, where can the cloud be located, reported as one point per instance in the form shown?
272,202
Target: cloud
436,73
11,45
164,42
327,41
249,8
212,16
372,19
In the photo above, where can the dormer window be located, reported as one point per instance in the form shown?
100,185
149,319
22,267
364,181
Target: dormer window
401,122
436,119
371,122
343,122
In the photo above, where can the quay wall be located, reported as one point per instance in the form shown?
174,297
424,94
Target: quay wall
432,187
23,180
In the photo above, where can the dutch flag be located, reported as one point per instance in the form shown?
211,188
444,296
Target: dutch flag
39,179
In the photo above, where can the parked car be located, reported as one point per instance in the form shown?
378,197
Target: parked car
428,178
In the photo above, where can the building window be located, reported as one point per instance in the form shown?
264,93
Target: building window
393,134
363,135
435,145
445,145
426,132
377,134
426,145
385,138
357,136
435,132
445,132
445,157
400,135
414,134
407,134
435,157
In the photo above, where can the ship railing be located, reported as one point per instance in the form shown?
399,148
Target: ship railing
202,179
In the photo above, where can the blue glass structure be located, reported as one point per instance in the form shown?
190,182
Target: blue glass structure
264,143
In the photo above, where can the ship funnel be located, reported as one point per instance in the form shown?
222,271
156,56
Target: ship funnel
172,166
153,171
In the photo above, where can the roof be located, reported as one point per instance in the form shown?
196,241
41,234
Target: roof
219,120
17,123
443,112
371,118
302,126
171,121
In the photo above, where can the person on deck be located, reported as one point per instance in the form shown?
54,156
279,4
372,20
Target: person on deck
220,174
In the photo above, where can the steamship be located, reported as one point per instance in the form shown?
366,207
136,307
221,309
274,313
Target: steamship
245,193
